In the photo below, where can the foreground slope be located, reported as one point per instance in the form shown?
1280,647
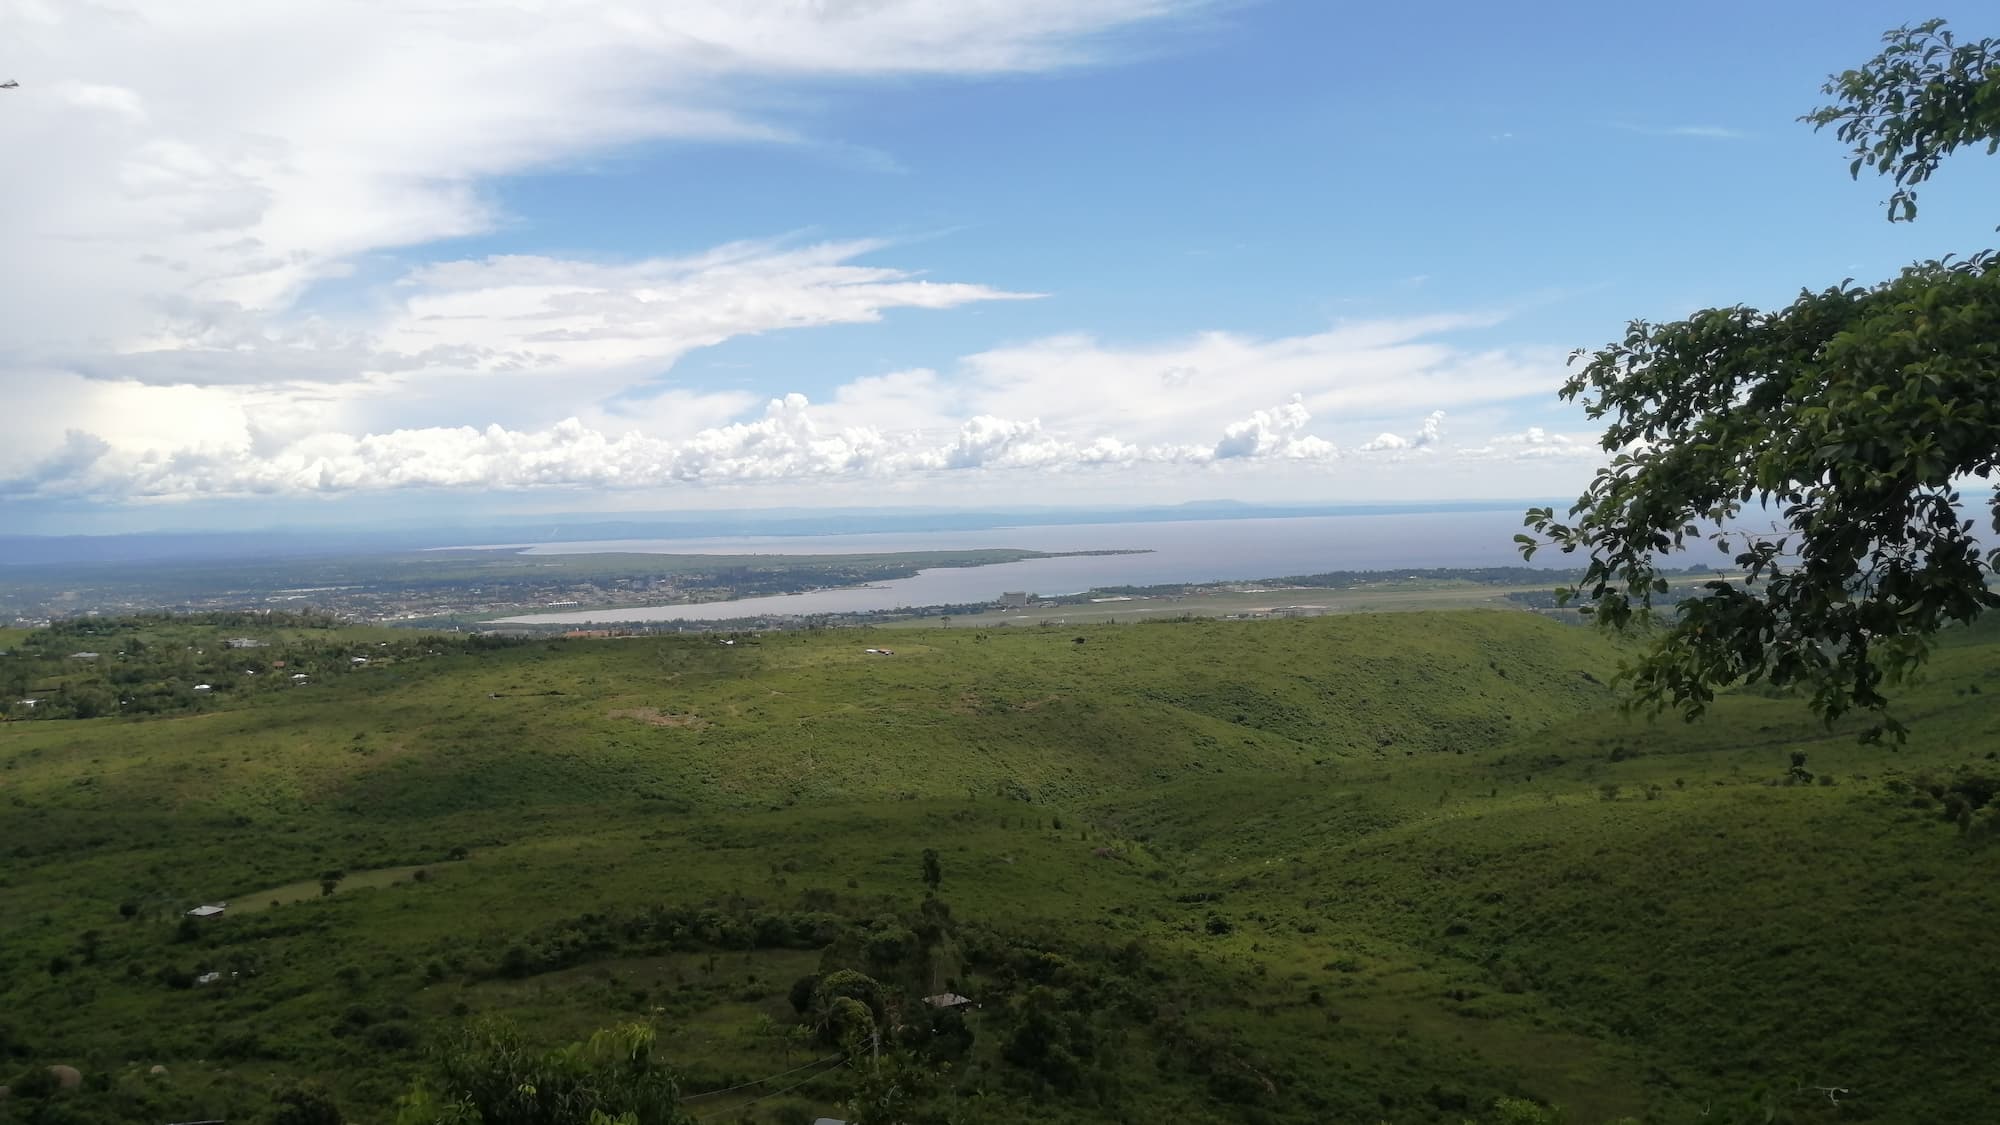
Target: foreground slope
1342,869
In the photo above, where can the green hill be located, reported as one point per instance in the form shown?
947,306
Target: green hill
1343,869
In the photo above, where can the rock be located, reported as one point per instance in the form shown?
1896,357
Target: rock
67,1077
157,1069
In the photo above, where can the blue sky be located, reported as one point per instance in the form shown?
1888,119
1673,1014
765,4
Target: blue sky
594,258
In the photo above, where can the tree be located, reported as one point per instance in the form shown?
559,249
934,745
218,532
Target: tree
328,880
802,993
933,870
1925,96
488,1076
897,1090
1843,422
848,1008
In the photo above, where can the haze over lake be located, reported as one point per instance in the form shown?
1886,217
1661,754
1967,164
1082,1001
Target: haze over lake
1189,551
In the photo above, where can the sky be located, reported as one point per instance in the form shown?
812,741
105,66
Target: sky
349,260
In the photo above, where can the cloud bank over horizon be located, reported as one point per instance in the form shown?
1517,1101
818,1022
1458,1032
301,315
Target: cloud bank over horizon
239,268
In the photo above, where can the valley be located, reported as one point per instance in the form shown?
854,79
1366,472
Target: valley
1372,867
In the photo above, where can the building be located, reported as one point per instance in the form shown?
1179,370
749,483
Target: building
204,687
1016,599
245,642
947,1000
83,656
208,910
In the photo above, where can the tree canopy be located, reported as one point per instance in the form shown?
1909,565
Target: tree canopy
488,1075
1823,445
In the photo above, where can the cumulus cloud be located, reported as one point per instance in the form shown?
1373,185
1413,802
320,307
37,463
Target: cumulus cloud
994,412
786,443
1274,433
1536,443
1429,433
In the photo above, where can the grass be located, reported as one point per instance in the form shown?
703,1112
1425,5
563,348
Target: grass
1355,868
1382,598
305,890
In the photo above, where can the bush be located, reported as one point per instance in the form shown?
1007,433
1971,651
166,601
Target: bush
802,993
393,1035
488,1074
303,1103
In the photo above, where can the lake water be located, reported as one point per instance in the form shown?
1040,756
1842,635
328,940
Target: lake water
1191,551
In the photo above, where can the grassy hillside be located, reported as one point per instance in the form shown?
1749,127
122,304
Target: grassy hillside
1348,869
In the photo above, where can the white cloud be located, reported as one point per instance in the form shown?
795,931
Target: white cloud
1061,405
518,341
1274,433
1536,443
1359,370
1429,433
199,166
229,155
1710,132
787,443
1699,132
537,311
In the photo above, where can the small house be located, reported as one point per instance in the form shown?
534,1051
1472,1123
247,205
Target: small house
209,977
204,687
30,703
83,656
298,677
947,1000
208,910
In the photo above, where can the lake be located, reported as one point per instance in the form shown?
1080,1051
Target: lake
1190,551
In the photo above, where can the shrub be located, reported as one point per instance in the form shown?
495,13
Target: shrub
303,1103
802,993
393,1035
